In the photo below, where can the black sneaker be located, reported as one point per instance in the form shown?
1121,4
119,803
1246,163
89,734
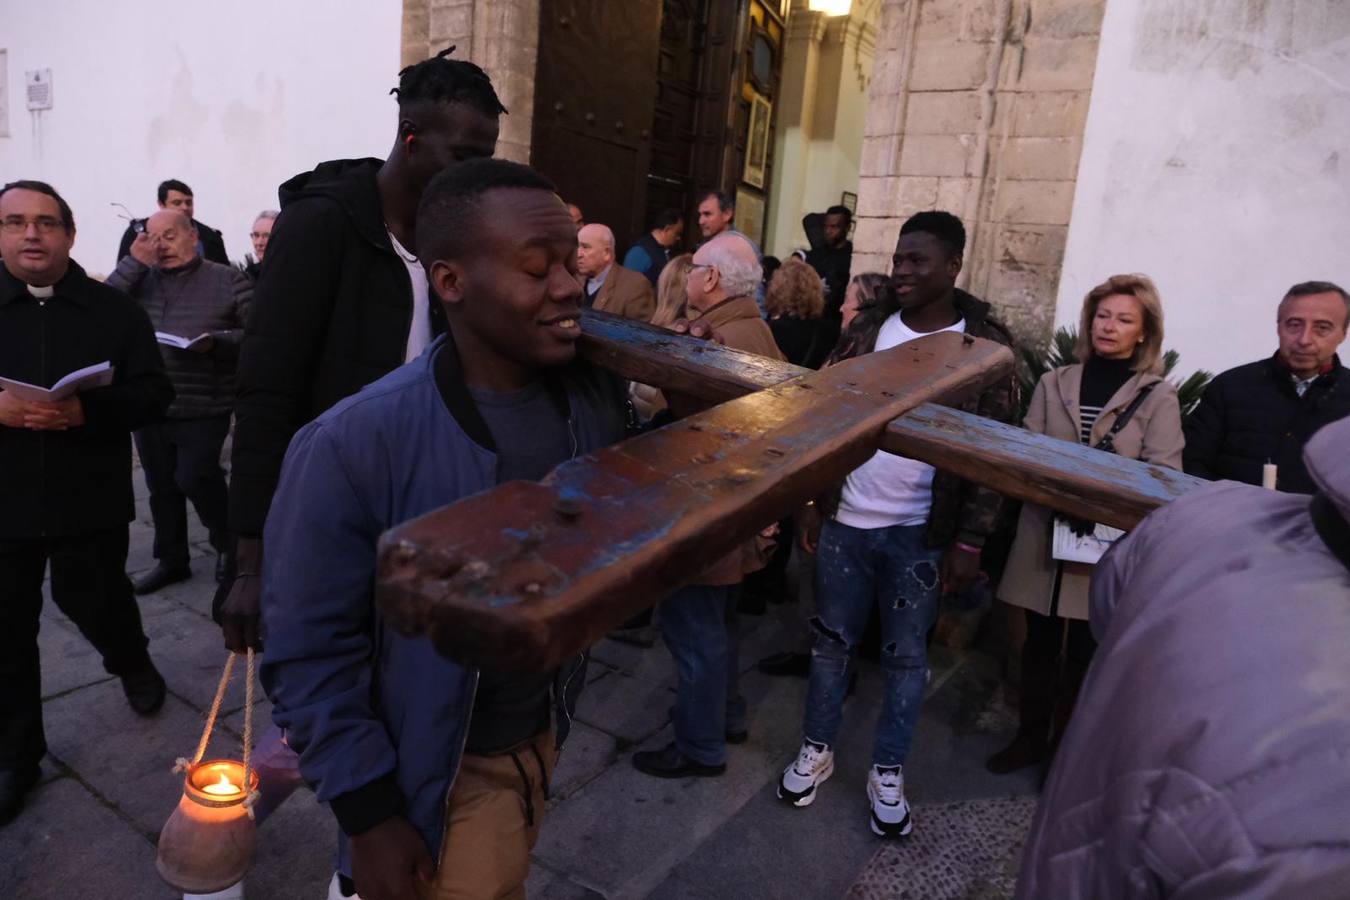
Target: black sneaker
145,690
796,665
14,785
161,576
669,762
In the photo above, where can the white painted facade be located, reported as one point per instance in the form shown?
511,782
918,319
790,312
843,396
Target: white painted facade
232,99
820,120
1216,160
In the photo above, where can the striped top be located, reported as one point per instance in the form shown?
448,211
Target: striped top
1088,416
1101,379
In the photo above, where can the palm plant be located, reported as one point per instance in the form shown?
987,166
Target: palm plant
1060,352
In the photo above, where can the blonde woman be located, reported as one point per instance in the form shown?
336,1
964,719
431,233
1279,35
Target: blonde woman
1113,399
670,302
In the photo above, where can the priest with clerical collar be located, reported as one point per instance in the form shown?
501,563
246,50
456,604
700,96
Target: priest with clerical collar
66,498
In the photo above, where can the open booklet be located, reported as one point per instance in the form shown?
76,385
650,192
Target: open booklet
97,375
1067,546
181,343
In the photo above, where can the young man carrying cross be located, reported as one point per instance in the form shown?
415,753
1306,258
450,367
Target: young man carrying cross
436,772
896,535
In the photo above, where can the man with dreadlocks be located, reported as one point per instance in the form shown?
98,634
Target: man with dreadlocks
342,302
343,299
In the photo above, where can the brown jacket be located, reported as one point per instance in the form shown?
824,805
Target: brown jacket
738,324
625,293
1153,435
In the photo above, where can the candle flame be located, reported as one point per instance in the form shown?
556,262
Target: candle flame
224,786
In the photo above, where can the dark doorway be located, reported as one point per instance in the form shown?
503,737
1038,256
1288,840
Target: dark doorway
643,104
593,106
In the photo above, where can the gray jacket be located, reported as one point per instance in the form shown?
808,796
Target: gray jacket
1209,752
198,298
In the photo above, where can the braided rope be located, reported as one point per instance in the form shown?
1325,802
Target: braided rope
182,764
248,733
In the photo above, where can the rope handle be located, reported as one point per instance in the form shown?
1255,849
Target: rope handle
182,764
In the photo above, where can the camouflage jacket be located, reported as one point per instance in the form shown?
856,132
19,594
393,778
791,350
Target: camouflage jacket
961,510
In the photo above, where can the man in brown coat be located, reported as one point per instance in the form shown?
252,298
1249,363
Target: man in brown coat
709,710
610,287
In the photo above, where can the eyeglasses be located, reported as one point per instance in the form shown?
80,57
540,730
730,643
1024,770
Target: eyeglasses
259,234
19,225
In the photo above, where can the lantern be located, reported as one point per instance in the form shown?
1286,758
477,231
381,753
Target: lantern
208,842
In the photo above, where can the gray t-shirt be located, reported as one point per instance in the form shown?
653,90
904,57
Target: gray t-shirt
529,429
532,437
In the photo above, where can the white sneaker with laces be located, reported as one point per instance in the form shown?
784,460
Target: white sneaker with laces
886,797
814,763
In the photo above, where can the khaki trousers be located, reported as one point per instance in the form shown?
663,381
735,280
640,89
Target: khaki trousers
493,819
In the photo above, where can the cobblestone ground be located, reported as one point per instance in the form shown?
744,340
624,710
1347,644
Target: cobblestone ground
89,829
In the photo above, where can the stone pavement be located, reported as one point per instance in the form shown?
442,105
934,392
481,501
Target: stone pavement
89,829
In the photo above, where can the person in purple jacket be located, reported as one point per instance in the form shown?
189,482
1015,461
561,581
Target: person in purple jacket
436,771
1209,755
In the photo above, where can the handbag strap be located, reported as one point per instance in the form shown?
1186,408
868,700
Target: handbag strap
1108,441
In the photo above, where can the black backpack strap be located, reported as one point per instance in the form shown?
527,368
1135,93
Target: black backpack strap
1108,441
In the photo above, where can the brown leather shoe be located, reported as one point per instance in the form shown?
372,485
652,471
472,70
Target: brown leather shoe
1022,752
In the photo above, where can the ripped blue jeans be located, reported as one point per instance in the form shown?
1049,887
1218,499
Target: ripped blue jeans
856,568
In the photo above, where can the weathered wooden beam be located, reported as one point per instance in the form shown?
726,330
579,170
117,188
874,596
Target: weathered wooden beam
528,574
1064,476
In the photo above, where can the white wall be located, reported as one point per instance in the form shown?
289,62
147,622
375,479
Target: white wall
231,98
1216,160
819,138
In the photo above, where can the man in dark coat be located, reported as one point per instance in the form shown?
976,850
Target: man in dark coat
1265,412
205,303
65,497
174,194
833,261
343,299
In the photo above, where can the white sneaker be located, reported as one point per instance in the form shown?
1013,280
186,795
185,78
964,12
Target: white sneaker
886,797
814,763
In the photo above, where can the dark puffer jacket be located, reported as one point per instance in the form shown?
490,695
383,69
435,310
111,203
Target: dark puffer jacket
1252,415
201,297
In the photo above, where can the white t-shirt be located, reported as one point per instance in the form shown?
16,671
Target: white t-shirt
888,489
419,333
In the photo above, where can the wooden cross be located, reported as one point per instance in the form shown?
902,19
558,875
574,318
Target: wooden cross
527,575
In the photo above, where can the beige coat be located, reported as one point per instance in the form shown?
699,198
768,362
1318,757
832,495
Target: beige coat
1153,435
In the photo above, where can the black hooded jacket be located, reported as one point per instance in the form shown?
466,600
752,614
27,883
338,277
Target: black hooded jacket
331,313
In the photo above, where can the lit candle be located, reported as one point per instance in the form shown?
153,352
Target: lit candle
223,787
1268,474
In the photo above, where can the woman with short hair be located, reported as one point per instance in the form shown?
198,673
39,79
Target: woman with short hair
795,302
1115,399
